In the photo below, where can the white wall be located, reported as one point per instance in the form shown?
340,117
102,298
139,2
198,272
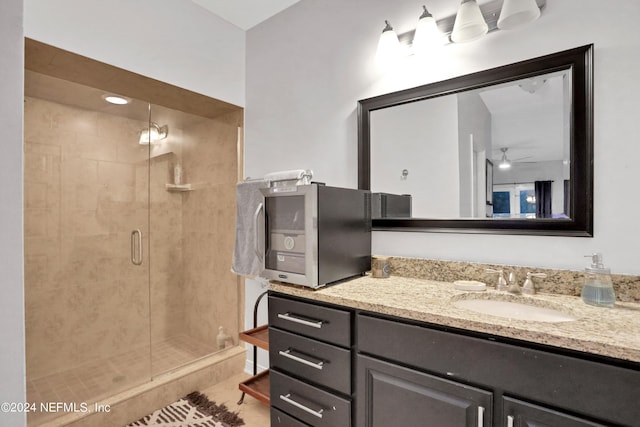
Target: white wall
430,128
308,66
474,129
175,41
12,368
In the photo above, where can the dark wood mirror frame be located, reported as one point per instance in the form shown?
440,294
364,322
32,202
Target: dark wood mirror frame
580,223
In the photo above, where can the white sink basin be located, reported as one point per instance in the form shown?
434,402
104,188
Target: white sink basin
514,310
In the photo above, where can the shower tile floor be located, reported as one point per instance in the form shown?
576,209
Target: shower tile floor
98,379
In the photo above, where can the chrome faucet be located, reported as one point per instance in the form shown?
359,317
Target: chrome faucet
502,284
513,285
529,288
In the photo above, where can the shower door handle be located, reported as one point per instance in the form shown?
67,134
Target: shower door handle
136,249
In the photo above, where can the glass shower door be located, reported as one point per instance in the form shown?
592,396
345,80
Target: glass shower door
86,208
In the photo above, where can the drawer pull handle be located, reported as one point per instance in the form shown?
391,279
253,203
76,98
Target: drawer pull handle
480,416
287,398
509,421
288,355
294,319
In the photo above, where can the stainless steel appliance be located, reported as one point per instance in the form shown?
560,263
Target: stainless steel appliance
385,205
314,234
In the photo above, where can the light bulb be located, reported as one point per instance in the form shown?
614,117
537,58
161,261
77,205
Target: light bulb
469,24
516,13
427,34
388,46
114,99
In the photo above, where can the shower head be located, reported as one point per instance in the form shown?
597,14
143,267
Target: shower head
153,133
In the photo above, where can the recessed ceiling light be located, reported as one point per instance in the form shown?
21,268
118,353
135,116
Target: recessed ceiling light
114,99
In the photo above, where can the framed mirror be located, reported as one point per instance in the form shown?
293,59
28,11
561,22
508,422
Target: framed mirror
507,150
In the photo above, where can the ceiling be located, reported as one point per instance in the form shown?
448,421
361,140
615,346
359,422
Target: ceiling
529,117
90,99
245,13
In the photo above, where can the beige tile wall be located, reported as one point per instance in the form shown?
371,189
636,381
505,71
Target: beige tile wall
165,253
210,162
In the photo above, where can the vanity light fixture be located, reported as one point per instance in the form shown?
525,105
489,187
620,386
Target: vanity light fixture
388,45
469,24
153,134
427,34
516,13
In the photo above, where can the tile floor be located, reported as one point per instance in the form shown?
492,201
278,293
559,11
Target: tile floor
97,379
253,412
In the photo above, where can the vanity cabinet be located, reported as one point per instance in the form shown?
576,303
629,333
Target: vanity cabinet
310,363
339,366
530,387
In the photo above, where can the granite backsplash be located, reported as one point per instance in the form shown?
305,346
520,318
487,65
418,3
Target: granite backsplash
564,282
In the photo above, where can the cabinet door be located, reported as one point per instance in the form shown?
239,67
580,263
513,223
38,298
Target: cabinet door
391,395
523,414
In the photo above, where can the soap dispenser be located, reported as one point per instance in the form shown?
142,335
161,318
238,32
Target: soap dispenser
598,288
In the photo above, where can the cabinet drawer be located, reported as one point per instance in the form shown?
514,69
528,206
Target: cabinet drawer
280,419
314,321
312,360
519,413
307,403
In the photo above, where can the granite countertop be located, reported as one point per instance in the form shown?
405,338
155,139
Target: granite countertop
612,332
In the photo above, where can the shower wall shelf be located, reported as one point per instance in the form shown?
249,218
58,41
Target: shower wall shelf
177,188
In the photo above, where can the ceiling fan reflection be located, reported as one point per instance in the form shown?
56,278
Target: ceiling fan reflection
505,162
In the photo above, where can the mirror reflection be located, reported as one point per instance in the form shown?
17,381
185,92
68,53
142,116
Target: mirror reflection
496,152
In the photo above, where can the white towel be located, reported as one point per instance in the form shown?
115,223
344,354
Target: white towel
248,198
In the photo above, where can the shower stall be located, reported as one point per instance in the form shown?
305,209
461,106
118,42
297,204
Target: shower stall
129,229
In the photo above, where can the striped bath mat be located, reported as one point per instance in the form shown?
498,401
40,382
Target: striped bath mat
193,410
